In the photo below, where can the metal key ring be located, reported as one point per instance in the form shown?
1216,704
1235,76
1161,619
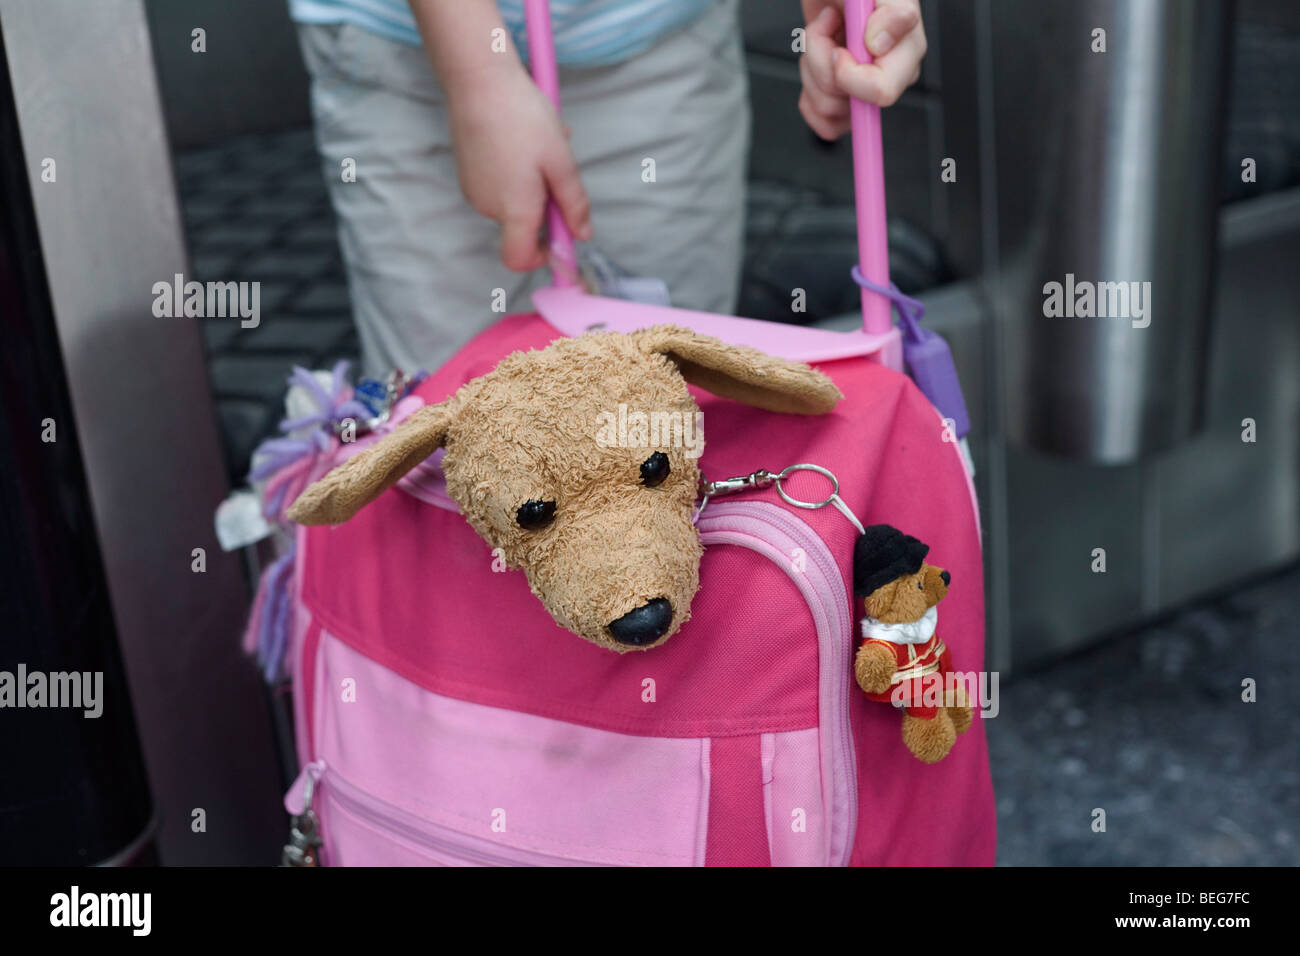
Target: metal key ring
811,505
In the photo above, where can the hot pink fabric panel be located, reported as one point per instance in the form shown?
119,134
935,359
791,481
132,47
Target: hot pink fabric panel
457,628
438,615
737,823
911,813
561,789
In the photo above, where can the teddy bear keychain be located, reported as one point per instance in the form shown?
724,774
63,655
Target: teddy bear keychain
901,659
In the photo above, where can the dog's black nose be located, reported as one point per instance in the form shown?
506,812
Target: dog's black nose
947,578
643,624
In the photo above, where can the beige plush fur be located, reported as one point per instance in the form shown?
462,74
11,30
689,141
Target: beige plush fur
874,667
528,430
930,740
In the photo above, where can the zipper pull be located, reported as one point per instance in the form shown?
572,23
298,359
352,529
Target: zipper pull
303,848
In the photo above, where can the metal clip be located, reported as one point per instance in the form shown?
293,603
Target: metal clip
726,486
762,478
303,848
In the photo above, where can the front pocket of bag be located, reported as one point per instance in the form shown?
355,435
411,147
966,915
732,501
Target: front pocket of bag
495,779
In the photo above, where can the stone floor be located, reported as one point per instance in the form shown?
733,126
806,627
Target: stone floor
1148,726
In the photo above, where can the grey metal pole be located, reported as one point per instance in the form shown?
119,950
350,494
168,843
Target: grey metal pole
109,228
1110,115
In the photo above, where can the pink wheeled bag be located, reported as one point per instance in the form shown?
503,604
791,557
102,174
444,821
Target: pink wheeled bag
443,717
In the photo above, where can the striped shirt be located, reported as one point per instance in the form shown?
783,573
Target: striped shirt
587,32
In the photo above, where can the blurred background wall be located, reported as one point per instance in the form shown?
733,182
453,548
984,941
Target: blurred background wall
250,79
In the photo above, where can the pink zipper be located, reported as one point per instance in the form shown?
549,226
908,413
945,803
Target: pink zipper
435,840
773,532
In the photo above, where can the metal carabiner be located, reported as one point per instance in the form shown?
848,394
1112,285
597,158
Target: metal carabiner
762,478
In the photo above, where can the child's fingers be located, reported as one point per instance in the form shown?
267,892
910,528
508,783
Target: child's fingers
811,8
829,102
520,250
565,185
884,81
827,24
817,65
890,22
828,127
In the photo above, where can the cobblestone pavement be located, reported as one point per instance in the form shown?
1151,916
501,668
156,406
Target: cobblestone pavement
1148,726
256,210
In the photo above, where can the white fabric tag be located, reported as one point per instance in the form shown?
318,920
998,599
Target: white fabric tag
240,522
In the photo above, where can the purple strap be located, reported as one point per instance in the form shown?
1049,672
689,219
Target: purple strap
276,621
926,355
910,311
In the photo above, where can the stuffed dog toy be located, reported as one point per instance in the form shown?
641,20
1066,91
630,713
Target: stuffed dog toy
901,659
603,533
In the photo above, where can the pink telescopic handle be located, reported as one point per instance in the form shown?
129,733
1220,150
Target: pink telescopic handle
541,58
868,180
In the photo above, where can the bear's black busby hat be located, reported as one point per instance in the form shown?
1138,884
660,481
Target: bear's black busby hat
882,554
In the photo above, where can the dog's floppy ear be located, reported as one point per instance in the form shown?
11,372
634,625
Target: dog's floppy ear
741,373
361,479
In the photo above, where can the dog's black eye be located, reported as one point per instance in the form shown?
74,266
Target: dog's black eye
654,470
533,514
920,586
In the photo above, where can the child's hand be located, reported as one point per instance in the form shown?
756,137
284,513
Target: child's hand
512,151
896,40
